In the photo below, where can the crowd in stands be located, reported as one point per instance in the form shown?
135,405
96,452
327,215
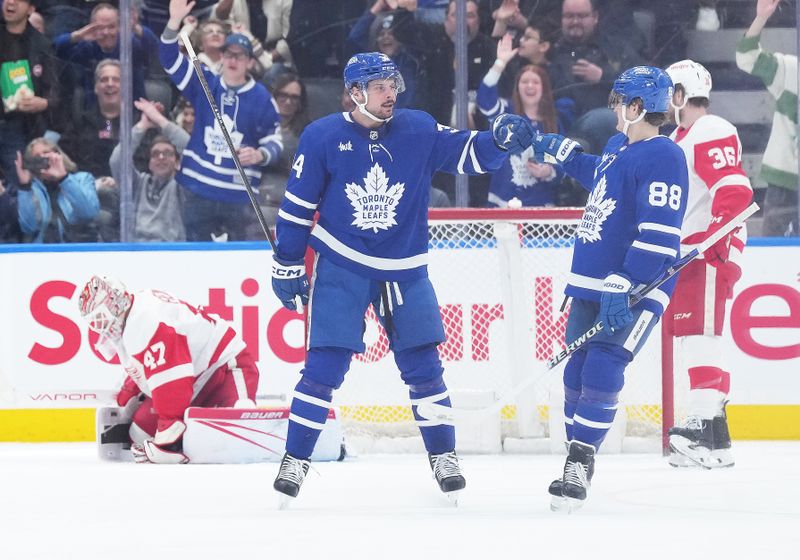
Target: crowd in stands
552,61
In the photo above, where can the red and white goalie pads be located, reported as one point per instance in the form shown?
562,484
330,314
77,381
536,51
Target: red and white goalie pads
218,435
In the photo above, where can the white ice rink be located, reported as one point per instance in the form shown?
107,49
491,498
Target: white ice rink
60,502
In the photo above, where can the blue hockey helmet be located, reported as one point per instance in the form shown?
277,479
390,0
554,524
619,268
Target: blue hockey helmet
362,68
650,84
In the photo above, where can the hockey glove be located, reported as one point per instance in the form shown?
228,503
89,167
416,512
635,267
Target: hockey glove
512,133
289,281
166,448
615,311
554,148
718,253
128,391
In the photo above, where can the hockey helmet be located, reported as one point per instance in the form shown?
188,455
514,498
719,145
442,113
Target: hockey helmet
103,304
693,76
363,68
650,84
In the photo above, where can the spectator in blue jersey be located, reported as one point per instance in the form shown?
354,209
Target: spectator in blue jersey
362,38
630,233
98,40
217,205
521,177
57,203
368,174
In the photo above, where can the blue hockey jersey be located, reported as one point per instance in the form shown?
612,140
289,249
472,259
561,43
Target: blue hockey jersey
632,221
371,187
249,113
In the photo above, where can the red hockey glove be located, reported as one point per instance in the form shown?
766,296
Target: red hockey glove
128,391
719,252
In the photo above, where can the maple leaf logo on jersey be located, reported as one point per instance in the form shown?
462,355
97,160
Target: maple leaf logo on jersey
375,203
598,209
520,175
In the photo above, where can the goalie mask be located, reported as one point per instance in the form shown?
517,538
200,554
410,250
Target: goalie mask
103,304
364,68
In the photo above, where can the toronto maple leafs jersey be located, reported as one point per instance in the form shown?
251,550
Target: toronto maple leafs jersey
250,115
632,220
371,188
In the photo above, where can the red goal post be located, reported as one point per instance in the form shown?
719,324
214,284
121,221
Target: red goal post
499,276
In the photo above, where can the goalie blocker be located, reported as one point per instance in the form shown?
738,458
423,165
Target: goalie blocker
222,435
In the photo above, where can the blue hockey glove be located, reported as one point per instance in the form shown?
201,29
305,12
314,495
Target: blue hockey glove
512,133
615,312
289,280
554,148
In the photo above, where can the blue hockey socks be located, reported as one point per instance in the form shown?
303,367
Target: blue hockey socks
421,369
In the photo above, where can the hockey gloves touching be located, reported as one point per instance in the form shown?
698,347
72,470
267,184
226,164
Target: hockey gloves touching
289,281
615,311
165,448
554,148
512,133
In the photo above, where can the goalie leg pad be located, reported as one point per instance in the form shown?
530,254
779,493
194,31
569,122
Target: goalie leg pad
421,369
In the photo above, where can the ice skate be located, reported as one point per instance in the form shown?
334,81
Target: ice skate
694,440
721,456
570,492
448,475
290,477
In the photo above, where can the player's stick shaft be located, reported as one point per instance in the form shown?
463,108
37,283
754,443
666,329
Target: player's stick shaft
199,71
433,411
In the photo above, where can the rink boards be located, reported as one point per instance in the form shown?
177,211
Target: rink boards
51,379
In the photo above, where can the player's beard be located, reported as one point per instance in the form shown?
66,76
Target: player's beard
386,111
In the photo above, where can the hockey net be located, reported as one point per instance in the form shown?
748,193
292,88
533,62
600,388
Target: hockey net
499,276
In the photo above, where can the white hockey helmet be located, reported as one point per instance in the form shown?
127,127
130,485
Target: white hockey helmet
693,76
103,304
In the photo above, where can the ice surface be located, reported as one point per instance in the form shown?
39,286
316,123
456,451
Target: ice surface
58,501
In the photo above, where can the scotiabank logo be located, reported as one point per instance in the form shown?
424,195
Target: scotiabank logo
752,332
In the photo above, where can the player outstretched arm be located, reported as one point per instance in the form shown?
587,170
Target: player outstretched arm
557,149
172,60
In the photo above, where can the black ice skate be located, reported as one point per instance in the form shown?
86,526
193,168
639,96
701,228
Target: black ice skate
693,441
447,472
290,477
721,455
569,492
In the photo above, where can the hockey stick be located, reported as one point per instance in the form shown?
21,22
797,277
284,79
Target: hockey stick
448,415
199,72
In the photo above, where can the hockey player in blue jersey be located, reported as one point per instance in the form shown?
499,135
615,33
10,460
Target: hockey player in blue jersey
630,232
368,174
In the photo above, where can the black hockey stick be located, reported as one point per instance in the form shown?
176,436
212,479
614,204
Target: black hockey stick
199,71
448,415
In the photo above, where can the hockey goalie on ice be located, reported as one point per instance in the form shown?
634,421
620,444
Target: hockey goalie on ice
190,385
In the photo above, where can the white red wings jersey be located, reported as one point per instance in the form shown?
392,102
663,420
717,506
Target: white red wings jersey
171,348
718,187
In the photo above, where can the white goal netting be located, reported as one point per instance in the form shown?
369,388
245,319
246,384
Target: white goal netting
499,276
